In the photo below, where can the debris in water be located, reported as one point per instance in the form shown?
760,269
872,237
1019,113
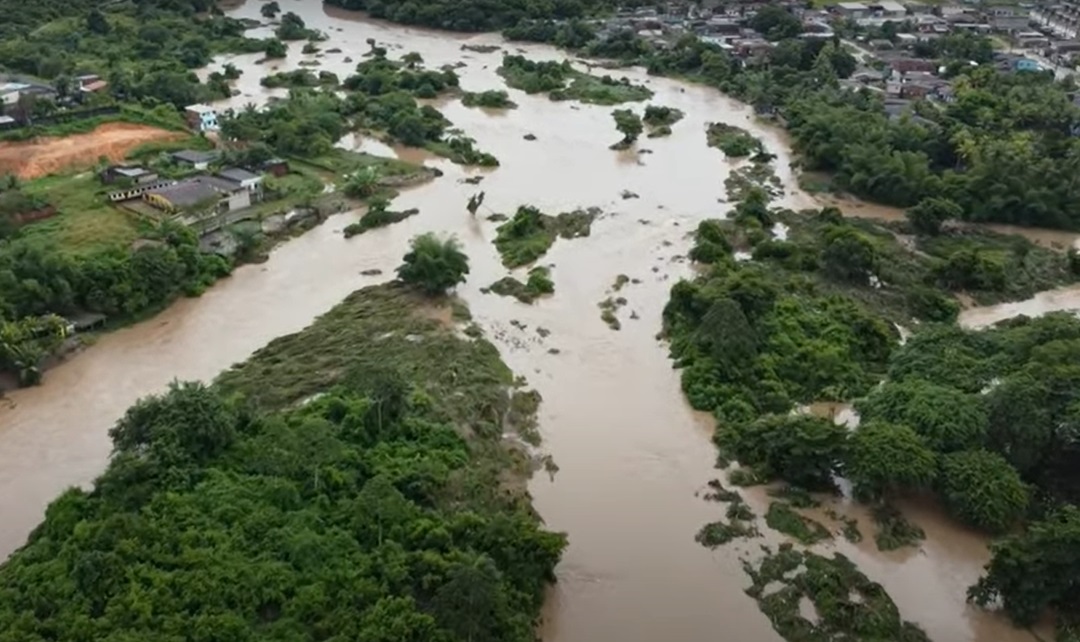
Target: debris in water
627,194
371,272
529,137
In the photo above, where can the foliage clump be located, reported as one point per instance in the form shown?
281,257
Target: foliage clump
847,604
491,99
783,518
982,489
552,78
537,285
434,265
734,141
530,233
894,530
377,215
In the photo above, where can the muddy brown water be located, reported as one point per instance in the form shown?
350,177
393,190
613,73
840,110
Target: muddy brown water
631,454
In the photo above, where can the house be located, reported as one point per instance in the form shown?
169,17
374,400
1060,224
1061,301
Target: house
133,174
1025,64
201,118
241,177
185,195
199,195
852,10
888,9
7,122
91,83
276,167
905,65
193,158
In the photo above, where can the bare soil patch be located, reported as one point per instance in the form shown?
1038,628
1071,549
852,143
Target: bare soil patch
47,155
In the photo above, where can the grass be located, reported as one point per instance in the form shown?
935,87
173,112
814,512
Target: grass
783,518
156,148
340,162
389,325
530,233
85,222
847,605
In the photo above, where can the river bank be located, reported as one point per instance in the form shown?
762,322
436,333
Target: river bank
631,455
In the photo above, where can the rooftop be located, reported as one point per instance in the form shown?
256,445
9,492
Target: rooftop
237,175
890,6
201,109
852,6
194,156
131,172
188,193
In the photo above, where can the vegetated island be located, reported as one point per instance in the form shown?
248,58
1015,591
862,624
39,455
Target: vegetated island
810,317
562,82
529,233
350,479
660,118
538,284
378,214
490,99
734,141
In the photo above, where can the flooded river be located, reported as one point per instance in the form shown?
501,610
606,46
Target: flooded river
631,454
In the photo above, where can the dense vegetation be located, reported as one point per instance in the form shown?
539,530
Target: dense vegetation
381,510
146,51
378,214
984,419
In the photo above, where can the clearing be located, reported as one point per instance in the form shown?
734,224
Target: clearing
44,156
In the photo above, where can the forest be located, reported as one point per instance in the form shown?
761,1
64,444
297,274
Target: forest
984,420
381,510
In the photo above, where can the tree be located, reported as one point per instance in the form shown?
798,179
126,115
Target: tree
629,125
188,423
412,60
849,255
982,489
270,9
96,22
64,85
930,213
802,449
276,48
727,336
469,603
885,458
1035,570
945,417
362,183
434,265
776,23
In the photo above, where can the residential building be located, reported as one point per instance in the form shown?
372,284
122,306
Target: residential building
91,83
201,118
852,10
241,177
134,174
7,122
200,195
888,9
195,159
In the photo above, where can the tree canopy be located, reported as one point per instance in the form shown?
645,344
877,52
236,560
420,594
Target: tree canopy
434,265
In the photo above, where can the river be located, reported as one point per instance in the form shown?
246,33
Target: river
631,454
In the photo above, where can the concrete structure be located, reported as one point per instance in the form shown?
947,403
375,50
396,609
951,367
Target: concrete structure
136,174
201,118
888,9
241,177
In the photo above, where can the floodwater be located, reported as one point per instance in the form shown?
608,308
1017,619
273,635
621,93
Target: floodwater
631,454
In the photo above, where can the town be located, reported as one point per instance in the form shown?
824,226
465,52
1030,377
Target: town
894,42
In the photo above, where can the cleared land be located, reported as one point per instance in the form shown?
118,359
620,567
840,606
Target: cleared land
44,156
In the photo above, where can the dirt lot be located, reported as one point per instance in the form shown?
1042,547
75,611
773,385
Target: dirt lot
43,156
